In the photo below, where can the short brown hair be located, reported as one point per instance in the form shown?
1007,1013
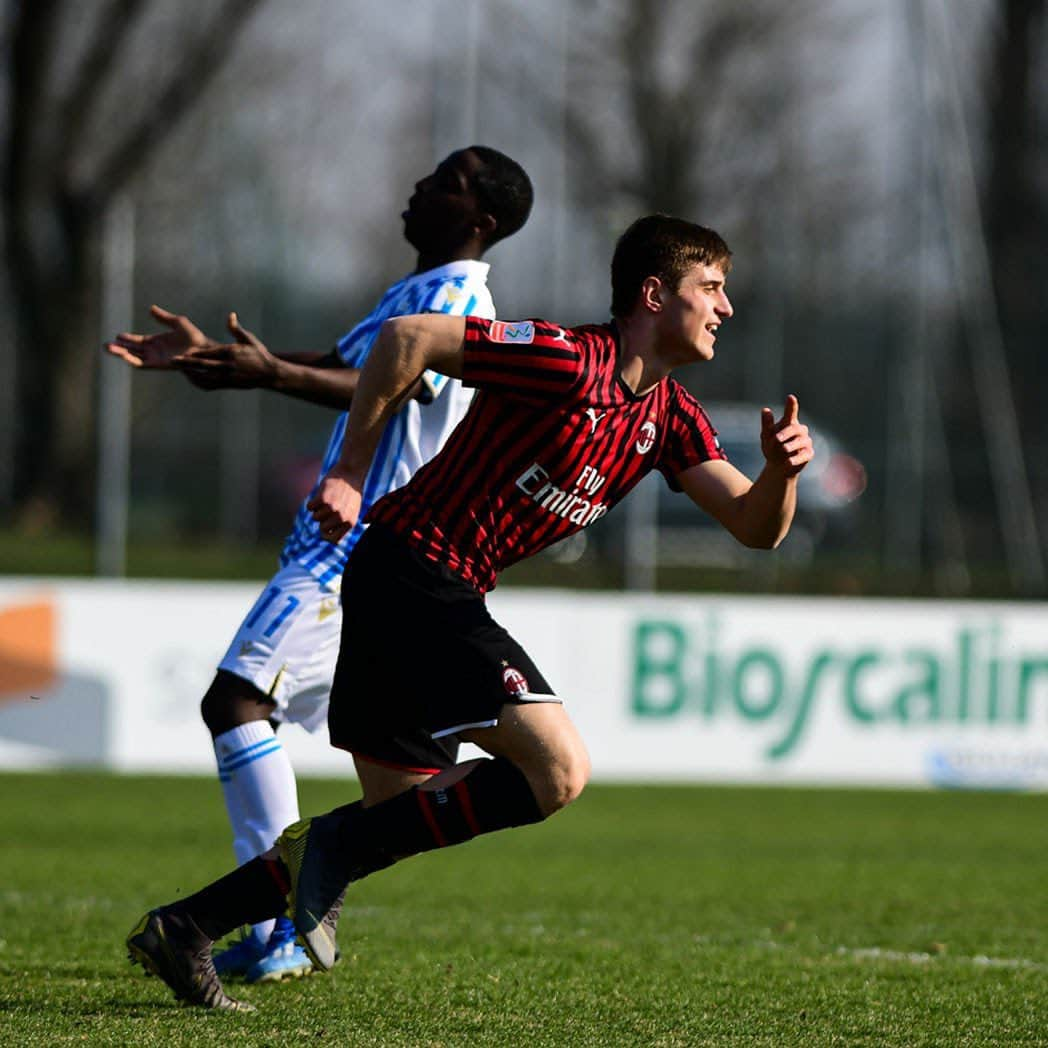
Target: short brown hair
664,247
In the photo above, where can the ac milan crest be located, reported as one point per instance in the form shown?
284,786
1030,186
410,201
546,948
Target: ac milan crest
515,683
646,440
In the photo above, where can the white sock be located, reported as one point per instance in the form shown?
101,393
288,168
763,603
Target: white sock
258,784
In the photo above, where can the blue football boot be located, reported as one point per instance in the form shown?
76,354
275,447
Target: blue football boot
283,957
236,960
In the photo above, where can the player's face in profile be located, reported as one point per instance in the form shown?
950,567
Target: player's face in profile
693,314
443,211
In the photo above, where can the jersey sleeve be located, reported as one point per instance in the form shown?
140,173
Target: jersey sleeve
525,357
456,297
350,350
691,439
459,293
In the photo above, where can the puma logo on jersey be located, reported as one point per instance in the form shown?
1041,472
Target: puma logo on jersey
591,414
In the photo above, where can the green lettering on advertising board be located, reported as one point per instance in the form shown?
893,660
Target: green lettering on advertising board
686,670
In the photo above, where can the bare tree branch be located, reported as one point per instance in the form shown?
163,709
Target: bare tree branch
176,100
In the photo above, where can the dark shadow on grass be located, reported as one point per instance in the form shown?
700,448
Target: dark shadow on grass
114,1006
125,1005
118,1007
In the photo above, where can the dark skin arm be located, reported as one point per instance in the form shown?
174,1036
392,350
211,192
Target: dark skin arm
246,363
243,364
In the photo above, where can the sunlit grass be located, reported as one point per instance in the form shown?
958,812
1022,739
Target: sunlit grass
640,916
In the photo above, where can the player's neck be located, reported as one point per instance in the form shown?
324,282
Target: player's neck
426,260
640,365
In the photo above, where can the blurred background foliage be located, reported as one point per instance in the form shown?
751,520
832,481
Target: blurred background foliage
880,170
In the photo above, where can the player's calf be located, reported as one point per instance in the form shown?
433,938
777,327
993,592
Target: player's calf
324,854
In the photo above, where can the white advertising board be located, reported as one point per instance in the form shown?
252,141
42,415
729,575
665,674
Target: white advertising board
698,688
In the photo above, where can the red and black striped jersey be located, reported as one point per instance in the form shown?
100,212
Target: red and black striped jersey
553,439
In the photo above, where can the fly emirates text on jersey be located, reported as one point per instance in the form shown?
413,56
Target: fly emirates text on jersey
576,505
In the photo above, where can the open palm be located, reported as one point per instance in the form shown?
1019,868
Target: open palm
158,350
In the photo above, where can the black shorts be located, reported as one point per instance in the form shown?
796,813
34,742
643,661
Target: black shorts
420,659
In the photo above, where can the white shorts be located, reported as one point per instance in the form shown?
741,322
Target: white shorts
287,645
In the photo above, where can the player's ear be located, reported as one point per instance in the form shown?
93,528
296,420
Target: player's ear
651,297
486,224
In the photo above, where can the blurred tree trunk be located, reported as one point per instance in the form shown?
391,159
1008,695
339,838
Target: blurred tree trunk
1015,208
60,173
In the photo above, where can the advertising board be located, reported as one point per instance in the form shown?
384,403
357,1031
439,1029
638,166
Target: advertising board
697,688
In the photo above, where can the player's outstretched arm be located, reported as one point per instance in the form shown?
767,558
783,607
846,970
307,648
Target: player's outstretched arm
246,363
160,349
757,513
406,347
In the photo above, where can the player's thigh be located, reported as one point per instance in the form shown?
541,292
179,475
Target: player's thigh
540,739
379,783
287,645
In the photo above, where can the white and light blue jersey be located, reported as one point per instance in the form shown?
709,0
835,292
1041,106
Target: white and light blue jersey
415,433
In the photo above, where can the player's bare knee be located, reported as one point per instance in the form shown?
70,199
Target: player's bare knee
575,775
214,710
230,702
560,781
560,789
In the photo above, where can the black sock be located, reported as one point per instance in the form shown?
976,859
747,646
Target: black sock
493,796
252,893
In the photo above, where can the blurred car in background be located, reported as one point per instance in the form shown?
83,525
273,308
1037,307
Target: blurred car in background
684,536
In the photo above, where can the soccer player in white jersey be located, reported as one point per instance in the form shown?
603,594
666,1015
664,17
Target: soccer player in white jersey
280,664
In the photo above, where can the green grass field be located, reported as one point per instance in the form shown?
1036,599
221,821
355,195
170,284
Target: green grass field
640,916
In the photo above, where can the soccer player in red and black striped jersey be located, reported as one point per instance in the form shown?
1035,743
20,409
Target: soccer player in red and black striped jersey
565,422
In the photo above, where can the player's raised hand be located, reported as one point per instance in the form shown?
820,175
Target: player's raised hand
336,505
244,363
786,443
161,349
